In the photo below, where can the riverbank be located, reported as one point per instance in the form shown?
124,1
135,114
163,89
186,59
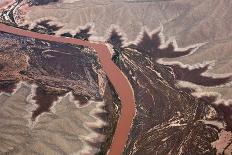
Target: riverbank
117,78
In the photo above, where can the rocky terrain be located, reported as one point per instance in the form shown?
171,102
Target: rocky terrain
182,92
66,87
170,119
189,22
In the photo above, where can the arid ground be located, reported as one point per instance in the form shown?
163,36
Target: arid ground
174,54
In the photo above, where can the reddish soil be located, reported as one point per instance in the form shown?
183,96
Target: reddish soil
118,79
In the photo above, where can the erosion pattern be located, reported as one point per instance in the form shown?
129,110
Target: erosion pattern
68,98
173,115
169,118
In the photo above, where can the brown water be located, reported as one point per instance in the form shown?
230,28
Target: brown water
119,81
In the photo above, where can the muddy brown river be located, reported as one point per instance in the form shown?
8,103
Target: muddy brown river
117,78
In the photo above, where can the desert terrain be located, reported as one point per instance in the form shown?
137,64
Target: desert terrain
176,55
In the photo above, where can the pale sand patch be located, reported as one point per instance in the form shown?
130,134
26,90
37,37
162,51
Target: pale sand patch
62,131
